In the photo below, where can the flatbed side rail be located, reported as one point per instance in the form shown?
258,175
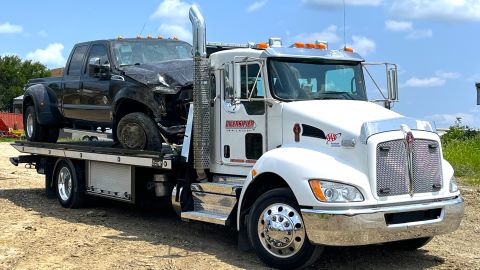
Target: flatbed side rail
140,158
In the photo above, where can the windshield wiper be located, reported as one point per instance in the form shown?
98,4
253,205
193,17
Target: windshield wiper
329,95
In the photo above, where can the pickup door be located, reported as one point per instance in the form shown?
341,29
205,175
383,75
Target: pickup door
72,83
95,96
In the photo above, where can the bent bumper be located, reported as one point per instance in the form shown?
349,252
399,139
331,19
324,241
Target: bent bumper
354,227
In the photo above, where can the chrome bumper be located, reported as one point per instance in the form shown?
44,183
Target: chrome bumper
354,227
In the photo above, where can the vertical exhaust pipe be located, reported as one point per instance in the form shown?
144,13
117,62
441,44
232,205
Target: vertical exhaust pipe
201,92
478,92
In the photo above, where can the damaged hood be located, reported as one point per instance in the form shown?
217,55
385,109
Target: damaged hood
167,77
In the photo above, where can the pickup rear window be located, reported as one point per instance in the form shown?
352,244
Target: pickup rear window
76,63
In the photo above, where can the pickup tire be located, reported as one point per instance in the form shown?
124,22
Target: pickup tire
69,183
36,132
409,245
137,131
276,231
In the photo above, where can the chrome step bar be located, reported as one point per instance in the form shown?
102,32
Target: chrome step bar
213,202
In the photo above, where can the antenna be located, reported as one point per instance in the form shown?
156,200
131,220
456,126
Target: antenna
145,23
344,27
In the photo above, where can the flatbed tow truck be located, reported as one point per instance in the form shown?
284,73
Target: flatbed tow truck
282,145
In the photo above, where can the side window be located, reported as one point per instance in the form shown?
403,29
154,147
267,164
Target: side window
97,60
76,62
251,81
228,84
251,86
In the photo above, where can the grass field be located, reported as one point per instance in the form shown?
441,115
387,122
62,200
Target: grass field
7,139
464,155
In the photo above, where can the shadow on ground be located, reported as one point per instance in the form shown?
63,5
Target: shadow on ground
151,226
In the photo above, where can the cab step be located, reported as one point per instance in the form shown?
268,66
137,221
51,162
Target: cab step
213,202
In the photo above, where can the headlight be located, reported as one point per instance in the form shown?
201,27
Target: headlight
326,191
453,185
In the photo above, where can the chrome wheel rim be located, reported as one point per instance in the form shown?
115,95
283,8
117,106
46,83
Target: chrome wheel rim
133,136
29,125
281,230
64,183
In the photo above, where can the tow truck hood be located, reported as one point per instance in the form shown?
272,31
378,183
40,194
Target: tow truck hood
167,77
336,116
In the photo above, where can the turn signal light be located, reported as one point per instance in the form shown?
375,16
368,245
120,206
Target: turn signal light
310,45
160,37
348,49
175,38
149,36
317,190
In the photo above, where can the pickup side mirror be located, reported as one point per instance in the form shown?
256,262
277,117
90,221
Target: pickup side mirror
478,93
392,84
97,69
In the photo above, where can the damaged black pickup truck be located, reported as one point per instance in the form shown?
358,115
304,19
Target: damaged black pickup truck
140,88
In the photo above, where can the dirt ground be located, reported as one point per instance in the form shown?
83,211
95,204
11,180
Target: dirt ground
37,233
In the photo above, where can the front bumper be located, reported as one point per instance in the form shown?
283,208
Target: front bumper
353,227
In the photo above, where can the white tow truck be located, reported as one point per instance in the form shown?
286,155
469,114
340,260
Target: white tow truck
282,144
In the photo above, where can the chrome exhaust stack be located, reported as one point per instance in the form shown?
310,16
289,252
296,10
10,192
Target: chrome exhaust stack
201,93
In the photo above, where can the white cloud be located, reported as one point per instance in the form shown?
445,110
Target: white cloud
363,45
447,120
422,33
424,82
50,56
443,10
329,34
398,26
256,5
7,28
339,3
42,33
175,30
448,75
174,19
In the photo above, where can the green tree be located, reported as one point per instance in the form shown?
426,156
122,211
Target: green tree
14,74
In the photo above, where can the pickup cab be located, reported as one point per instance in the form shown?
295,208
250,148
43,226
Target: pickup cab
139,88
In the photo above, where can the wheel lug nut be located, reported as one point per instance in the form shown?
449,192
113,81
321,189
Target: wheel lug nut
286,224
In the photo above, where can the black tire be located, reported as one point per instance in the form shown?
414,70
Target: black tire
36,132
280,205
138,131
69,184
408,245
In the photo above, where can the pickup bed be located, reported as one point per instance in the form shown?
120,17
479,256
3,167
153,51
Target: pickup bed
140,88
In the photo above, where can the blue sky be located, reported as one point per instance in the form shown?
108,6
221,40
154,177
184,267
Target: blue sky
435,43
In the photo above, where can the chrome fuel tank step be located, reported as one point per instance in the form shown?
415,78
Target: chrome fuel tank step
214,201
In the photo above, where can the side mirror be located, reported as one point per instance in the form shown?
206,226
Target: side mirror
392,84
97,69
478,93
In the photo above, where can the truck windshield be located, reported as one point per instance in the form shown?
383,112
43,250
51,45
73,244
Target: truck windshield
293,79
149,51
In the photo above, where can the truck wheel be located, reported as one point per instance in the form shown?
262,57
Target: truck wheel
69,183
409,245
277,233
36,132
138,131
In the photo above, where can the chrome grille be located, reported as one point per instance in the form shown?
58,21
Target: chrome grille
427,170
392,169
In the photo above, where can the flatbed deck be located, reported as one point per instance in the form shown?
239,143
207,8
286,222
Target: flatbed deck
105,151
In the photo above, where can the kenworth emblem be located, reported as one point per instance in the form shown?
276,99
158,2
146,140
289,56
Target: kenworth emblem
409,139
